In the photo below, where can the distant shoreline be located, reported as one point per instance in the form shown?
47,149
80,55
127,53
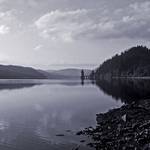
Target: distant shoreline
131,77
110,78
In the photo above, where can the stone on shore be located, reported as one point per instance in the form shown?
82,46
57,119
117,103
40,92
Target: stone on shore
124,128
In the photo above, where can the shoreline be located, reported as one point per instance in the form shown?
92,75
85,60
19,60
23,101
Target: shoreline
127,127
130,77
111,78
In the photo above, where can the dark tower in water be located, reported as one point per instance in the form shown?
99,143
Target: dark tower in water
82,75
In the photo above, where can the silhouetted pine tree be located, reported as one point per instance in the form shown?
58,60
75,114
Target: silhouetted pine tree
82,75
92,75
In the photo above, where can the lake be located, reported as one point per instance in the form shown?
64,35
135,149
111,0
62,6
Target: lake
47,114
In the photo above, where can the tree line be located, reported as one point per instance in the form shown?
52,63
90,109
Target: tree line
134,62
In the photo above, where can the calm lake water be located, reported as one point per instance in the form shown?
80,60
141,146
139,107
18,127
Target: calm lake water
45,114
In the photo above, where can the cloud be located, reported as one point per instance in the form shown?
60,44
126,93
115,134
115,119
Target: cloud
61,24
71,25
128,22
9,22
4,29
1,1
38,47
75,24
104,22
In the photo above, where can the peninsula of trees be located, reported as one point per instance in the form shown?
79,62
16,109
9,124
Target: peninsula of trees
134,62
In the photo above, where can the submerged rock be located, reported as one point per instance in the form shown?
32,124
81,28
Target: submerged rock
60,135
124,128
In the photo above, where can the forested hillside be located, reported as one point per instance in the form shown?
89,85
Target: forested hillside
134,62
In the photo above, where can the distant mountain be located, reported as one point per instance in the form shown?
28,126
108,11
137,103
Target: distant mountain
67,73
18,72
134,62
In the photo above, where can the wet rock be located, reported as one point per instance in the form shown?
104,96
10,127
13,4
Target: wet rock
77,148
125,128
124,118
80,133
60,135
68,130
82,141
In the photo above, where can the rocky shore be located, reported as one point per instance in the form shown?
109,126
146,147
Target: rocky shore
124,128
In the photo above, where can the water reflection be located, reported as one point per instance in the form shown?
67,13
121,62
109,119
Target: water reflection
82,82
126,127
15,86
32,115
128,90
10,84
45,115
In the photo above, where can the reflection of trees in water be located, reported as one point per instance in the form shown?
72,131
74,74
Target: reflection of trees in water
127,127
15,86
127,90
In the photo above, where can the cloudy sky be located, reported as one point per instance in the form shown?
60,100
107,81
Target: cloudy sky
52,34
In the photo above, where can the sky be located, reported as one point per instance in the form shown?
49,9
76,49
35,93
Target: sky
54,34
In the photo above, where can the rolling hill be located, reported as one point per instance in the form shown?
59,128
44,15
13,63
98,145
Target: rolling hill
19,72
69,73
